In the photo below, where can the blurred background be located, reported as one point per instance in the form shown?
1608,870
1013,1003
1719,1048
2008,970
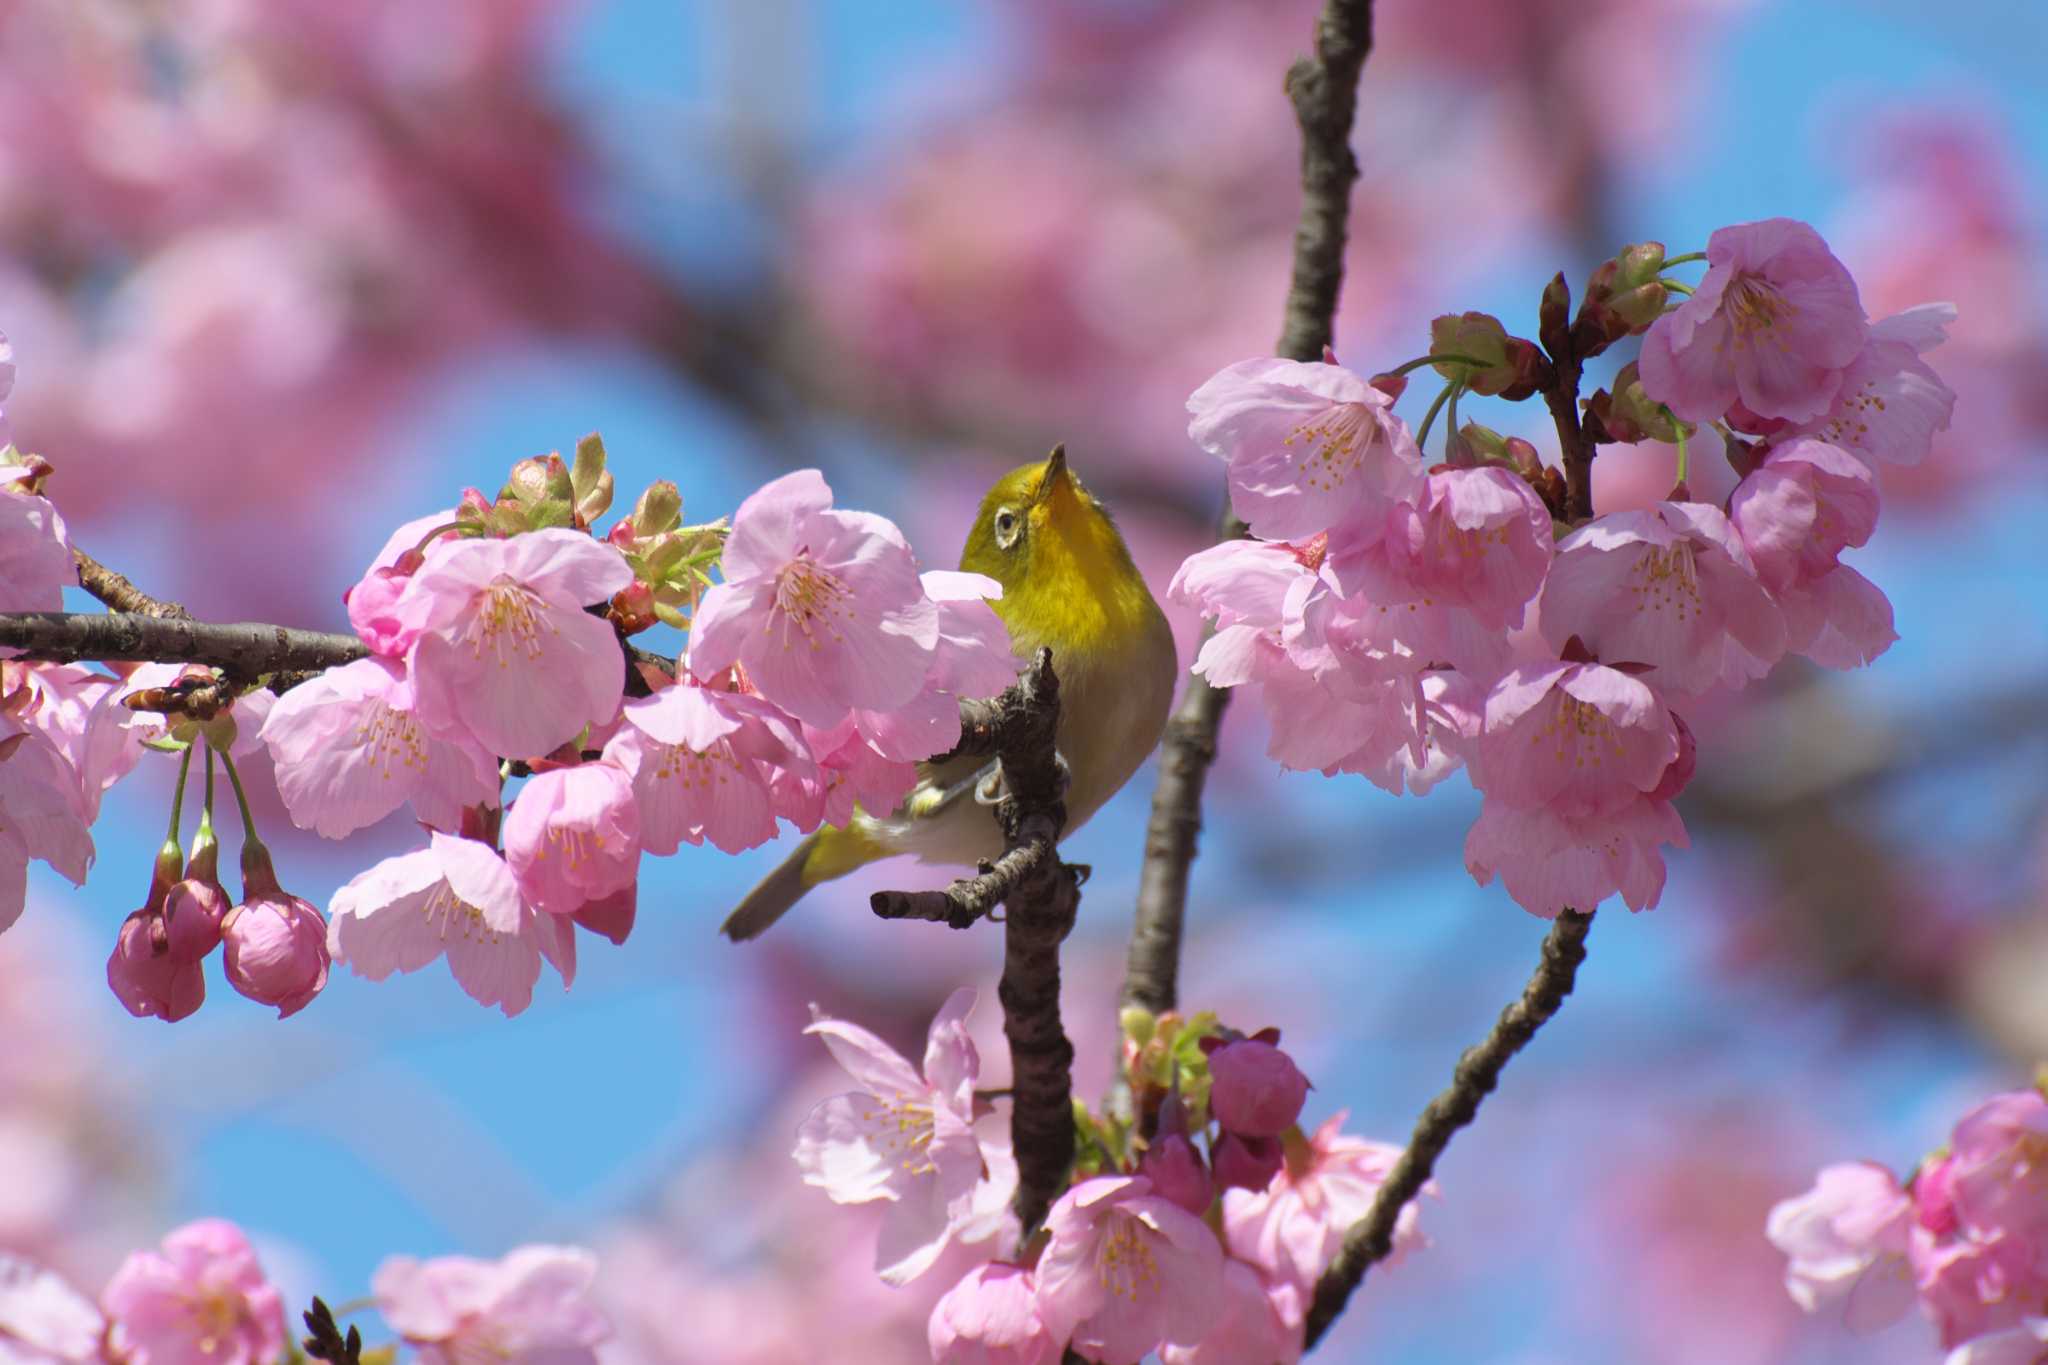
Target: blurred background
281,274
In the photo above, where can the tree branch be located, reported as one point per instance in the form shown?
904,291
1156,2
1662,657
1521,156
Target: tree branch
969,899
167,634
1477,1072
117,592
1040,896
246,649
1324,91
1561,396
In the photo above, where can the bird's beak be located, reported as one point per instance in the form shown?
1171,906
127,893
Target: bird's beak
1055,476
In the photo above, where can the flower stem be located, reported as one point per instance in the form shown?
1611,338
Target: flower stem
1445,359
1429,418
1679,427
178,796
241,799
1687,259
1675,287
1451,420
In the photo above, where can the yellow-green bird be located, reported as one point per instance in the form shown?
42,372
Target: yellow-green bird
1069,584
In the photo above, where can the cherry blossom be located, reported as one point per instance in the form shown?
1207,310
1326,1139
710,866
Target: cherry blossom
1309,445
530,1307
1673,588
991,1318
505,650
1126,1271
573,836
1551,860
43,1320
823,608
455,897
1998,1173
35,553
1575,738
705,764
202,1300
42,815
373,603
1291,1229
1261,1322
1846,1239
1477,538
350,747
902,1137
973,660
2026,1344
1775,323
1891,403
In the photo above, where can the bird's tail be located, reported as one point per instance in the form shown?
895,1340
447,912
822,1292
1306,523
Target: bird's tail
831,852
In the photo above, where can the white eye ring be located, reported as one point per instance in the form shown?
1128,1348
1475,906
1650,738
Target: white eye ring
1008,524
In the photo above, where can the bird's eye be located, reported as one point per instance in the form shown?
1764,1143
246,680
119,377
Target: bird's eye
1007,526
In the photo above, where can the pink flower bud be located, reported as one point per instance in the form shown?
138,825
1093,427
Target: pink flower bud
1258,1089
1177,1172
192,914
276,951
152,984
1245,1163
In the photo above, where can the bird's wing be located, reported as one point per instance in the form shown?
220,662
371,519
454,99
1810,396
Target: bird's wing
940,789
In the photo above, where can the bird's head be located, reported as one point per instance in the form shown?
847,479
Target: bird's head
1054,549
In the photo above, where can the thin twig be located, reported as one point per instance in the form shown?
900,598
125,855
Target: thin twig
1371,1238
1324,91
968,900
117,592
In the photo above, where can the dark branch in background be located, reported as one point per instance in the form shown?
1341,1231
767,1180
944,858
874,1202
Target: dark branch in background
1478,1071
1324,91
1040,897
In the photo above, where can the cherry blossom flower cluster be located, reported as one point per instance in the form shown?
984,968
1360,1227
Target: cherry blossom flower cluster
1965,1236
1198,1234
1401,618
822,665
203,1296
68,733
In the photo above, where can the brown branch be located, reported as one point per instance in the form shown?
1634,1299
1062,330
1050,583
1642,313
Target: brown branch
1040,896
968,900
1478,1071
1561,396
117,592
246,649
1324,91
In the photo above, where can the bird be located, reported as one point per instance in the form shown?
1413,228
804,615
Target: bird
1069,584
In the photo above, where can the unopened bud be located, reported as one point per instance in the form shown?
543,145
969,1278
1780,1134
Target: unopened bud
1256,1089
659,509
1500,365
1177,1172
1245,1163
539,478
